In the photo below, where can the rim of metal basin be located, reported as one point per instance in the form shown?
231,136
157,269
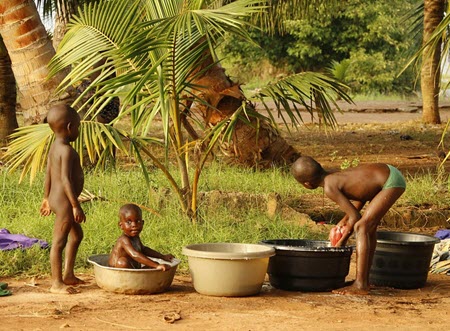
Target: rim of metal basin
408,238
96,260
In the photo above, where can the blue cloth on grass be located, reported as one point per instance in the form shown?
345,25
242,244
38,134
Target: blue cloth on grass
10,241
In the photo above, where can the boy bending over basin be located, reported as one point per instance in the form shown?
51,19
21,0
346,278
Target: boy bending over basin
129,252
377,183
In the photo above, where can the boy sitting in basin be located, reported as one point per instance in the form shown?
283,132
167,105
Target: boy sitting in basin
129,252
377,183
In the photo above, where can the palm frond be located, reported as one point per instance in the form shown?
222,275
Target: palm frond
304,91
139,38
415,17
438,41
62,8
95,33
98,141
29,148
280,11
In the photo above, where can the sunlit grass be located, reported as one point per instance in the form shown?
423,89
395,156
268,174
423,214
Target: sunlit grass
427,189
170,231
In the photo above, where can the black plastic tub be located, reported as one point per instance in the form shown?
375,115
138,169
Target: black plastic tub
308,265
402,259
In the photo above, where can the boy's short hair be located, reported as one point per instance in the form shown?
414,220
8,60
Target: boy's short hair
130,207
306,169
56,115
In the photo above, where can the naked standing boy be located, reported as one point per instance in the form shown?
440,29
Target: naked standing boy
63,184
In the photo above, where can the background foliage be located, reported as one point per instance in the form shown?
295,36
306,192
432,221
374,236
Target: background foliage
371,37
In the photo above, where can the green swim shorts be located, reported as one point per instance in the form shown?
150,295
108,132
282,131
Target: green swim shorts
395,179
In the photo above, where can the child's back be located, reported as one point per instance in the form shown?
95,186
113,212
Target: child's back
361,183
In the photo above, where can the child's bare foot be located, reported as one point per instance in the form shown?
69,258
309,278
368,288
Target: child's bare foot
351,290
72,280
63,289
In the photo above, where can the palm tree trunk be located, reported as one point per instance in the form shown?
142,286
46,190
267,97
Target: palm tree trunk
64,10
30,50
59,30
8,121
255,145
430,72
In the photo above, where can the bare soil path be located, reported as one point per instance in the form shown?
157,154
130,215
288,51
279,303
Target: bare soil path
34,308
366,133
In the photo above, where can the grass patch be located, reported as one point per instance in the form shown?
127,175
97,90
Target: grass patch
427,189
166,233
171,231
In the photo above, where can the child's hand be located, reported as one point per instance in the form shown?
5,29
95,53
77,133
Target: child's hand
339,235
335,235
163,267
168,257
78,215
45,208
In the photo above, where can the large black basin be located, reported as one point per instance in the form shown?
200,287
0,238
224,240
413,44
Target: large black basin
402,259
308,265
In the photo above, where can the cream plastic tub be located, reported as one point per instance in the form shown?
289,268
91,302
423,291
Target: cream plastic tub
132,281
228,269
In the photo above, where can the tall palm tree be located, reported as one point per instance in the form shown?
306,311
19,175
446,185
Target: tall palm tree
8,121
30,51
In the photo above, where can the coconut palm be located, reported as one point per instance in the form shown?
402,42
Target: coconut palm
162,55
429,22
8,121
430,70
30,51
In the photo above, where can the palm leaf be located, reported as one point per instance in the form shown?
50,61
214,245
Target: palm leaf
308,91
98,141
172,36
95,33
29,148
438,38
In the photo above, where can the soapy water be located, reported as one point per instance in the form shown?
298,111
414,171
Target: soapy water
301,245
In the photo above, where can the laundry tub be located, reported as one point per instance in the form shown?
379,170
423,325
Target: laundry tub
308,265
228,269
402,259
132,281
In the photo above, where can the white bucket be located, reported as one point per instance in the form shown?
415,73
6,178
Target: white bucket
228,269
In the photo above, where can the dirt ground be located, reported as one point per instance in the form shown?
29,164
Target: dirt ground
377,132
34,308
366,134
